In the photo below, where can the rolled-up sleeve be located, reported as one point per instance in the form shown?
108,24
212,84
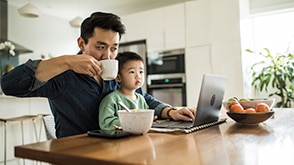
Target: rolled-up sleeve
21,80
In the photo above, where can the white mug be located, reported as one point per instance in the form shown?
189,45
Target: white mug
109,69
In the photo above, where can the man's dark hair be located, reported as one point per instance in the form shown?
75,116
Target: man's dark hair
107,21
124,57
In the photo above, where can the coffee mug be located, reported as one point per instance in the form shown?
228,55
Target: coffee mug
109,69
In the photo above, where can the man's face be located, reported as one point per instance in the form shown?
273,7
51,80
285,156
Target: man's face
102,45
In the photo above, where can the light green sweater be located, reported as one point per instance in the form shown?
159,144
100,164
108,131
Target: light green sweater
108,116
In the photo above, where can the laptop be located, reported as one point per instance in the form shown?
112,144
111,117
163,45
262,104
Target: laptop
208,107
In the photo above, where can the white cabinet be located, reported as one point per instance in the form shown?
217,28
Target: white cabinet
145,25
212,21
163,28
198,23
213,44
197,62
174,26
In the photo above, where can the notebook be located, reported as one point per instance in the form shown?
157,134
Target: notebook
207,111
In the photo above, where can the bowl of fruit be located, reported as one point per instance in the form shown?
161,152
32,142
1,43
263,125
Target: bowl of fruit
249,111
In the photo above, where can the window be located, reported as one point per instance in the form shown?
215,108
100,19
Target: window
274,31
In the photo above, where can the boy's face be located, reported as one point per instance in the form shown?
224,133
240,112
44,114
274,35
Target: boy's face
102,45
131,75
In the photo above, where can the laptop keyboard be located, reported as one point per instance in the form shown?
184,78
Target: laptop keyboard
171,124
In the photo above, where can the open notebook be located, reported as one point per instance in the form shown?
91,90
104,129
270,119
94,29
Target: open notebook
208,108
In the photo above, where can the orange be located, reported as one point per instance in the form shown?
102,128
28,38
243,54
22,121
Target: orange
233,103
249,110
261,107
236,108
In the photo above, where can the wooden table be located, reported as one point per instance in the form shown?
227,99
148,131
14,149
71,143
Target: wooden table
271,142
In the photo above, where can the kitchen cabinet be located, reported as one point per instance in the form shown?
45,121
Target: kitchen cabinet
207,29
210,21
174,26
198,61
145,25
163,28
198,23
213,44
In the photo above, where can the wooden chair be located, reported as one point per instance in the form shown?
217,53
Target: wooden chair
20,119
49,125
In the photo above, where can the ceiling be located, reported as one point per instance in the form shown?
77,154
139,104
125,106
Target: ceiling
68,9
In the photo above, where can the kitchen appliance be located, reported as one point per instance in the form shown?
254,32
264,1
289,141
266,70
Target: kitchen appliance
166,62
166,78
168,88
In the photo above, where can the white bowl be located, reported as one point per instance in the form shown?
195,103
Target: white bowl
252,102
137,122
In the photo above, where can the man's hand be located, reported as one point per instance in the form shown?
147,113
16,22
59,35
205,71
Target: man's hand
85,64
185,114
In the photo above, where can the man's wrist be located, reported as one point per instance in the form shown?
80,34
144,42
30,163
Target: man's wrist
169,110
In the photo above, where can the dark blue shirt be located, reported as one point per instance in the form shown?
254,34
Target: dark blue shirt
73,98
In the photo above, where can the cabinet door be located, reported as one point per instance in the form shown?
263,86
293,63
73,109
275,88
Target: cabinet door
146,25
154,29
134,27
197,61
198,23
163,28
174,26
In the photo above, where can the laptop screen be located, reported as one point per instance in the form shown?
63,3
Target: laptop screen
210,99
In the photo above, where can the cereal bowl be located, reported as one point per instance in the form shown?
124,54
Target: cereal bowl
136,122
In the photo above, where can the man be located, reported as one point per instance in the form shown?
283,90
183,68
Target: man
72,83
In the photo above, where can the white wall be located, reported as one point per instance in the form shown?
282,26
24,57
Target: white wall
44,35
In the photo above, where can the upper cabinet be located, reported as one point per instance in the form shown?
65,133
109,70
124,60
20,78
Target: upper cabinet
198,23
174,26
163,28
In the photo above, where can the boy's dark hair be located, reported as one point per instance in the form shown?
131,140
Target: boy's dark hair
107,21
124,57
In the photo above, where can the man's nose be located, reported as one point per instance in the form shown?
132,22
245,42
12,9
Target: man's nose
107,54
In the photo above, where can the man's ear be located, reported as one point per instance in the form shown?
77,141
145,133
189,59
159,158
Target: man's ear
81,43
118,78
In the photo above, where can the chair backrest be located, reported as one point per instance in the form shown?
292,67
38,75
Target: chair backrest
49,124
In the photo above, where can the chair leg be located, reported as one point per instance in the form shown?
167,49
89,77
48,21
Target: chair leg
40,130
22,139
5,142
35,129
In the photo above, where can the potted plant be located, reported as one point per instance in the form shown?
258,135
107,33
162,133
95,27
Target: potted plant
277,72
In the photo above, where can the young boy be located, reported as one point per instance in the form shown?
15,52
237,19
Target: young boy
131,77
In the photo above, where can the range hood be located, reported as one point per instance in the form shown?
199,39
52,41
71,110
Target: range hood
4,29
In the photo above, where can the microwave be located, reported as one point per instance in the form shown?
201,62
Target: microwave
166,62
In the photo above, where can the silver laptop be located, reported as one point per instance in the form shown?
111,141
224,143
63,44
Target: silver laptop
208,108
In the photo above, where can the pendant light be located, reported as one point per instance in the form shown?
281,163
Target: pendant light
29,10
77,21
